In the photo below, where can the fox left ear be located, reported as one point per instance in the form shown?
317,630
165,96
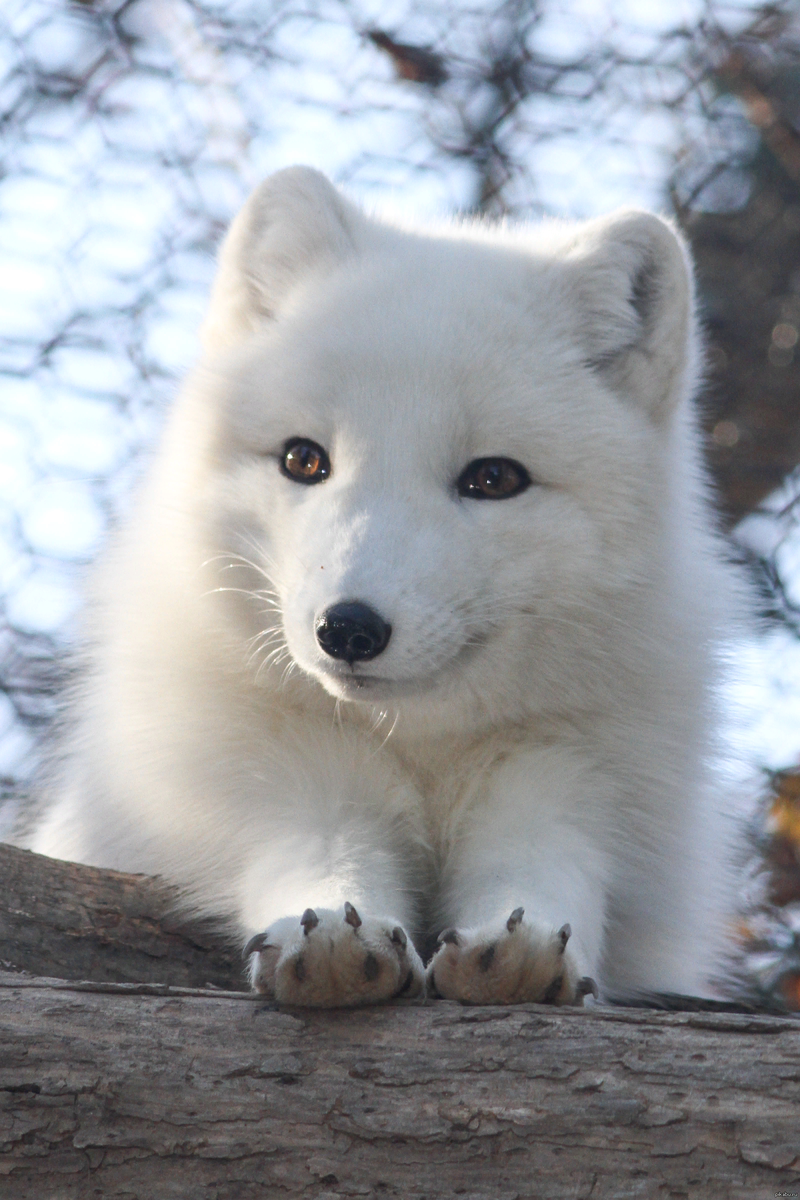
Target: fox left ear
294,226
632,279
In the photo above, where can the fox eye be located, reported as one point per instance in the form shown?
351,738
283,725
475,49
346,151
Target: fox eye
304,461
493,479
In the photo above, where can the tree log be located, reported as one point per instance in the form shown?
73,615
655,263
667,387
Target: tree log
141,1090
111,1092
77,922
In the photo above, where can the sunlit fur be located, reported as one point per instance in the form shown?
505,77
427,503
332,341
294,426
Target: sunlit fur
540,728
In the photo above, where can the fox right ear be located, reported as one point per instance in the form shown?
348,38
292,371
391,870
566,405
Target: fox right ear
632,287
294,224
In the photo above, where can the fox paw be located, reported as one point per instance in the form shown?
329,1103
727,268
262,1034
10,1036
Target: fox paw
329,960
520,962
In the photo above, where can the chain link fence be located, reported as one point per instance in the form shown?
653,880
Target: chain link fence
131,132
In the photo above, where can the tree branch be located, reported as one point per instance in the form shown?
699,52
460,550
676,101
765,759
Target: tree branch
118,1095
76,922
123,1086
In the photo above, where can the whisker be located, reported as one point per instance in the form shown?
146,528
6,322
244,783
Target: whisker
234,560
253,657
391,730
274,659
261,595
275,656
287,672
264,636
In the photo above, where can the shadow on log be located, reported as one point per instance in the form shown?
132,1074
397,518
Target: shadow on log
144,1090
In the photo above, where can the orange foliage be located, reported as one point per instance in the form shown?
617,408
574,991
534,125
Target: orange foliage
784,814
790,990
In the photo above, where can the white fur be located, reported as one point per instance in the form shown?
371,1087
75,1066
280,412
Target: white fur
538,730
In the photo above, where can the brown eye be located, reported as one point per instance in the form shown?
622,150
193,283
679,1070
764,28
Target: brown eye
304,461
493,479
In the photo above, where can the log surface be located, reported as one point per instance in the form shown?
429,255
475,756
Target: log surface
127,1079
77,922
107,1091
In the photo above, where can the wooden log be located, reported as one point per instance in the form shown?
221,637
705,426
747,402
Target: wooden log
110,1091
138,1089
77,922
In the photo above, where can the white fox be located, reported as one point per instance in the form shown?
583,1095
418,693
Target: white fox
413,629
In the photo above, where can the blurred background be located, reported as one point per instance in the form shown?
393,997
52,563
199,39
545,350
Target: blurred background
131,132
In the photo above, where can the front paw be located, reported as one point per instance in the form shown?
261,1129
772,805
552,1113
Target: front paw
511,963
329,959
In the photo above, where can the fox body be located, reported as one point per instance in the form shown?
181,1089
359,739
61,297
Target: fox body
413,629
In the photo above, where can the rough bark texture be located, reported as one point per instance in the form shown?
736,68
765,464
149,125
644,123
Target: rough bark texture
76,922
111,1094
143,1091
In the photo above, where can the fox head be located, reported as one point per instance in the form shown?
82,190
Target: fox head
434,467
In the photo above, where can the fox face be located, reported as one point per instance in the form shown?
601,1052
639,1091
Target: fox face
430,471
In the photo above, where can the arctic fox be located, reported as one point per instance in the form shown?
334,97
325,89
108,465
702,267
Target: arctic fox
413,630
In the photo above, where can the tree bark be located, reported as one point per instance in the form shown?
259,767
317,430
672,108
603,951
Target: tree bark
77,922
143,1091
112,1092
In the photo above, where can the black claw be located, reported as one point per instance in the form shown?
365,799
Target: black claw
487,958
553,990
259,941
372,968
407,982
350,915
299,969
399,937
450,936
564,933
586,987
309,921
515,919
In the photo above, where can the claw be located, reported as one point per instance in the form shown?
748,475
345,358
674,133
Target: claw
564,933
553,990
309,921
350,915
372,968
405,985
450,936
259,941
515,919
585,987
399,937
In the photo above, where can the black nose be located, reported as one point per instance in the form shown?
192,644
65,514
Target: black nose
352,631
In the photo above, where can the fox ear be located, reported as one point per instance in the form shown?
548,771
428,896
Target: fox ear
633,283
293,225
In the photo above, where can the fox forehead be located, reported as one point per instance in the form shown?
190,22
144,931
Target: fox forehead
375,356
437,309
